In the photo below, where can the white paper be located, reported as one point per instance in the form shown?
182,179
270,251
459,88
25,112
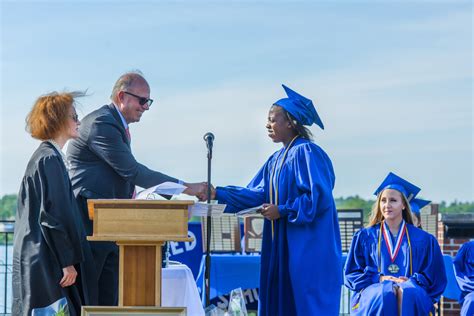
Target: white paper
250,211
167,188
205,209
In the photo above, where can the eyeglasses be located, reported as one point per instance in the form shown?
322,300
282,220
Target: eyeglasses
74,117
141,100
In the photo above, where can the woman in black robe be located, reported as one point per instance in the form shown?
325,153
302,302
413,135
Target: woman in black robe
51,256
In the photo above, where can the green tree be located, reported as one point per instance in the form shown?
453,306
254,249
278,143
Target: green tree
8,206
355,202
456,207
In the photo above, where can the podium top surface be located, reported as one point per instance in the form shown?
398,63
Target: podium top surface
120,202
144,240
139,220
135,204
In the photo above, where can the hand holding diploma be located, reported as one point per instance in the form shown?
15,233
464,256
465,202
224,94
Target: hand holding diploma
270,211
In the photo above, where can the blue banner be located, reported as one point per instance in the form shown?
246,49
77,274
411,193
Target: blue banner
189,253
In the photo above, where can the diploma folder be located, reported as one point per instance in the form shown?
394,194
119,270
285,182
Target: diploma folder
250,211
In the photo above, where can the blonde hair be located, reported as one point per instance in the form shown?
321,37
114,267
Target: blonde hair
376,215
50,113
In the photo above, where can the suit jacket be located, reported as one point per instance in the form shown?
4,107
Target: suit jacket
102,163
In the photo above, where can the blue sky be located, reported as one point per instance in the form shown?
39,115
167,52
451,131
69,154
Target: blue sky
392,81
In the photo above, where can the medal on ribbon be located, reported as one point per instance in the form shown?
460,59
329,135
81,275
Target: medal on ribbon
393,268
393,249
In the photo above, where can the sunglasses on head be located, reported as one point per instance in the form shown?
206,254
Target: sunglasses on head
141,100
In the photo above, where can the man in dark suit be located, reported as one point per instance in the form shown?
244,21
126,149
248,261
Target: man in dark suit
103,167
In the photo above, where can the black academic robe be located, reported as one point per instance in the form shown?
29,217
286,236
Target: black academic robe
49,235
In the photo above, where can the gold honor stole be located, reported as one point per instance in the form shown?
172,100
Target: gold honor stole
276,177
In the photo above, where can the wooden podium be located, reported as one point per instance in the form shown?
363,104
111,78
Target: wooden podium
139,227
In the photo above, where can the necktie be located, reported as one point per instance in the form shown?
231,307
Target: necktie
127,130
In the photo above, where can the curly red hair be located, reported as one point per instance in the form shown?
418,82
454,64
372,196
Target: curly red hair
50,113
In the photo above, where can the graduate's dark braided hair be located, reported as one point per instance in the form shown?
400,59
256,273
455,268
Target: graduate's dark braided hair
303,131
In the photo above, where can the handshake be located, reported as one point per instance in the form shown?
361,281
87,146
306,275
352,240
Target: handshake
199,190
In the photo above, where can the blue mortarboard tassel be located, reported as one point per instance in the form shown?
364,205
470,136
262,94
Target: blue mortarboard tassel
300,107
417,204
392,181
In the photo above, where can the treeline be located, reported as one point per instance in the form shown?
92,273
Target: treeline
8,206
356,202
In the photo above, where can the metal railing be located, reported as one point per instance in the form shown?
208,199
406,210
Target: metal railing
345,303
6,258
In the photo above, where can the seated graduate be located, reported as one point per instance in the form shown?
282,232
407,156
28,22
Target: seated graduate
464,270
301,226
416,205
393,267
52,261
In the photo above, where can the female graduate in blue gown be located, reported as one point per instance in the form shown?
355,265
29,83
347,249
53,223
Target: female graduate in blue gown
301,250
393,267
464,270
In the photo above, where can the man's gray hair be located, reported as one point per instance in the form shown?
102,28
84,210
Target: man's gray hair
126,81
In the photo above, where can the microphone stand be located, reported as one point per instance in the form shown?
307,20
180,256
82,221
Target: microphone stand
207,274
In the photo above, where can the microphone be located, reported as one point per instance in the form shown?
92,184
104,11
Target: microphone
209,139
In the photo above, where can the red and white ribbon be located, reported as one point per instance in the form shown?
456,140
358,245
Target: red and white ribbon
393,250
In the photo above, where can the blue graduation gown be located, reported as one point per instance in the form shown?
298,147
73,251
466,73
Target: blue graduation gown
464,270
294,280
423,288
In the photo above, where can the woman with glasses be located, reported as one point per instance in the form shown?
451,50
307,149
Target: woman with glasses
392,267
51,258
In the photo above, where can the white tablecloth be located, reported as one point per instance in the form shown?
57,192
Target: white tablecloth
179,290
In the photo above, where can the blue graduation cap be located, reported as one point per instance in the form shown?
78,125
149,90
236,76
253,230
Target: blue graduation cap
301,108
392,181
417,204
